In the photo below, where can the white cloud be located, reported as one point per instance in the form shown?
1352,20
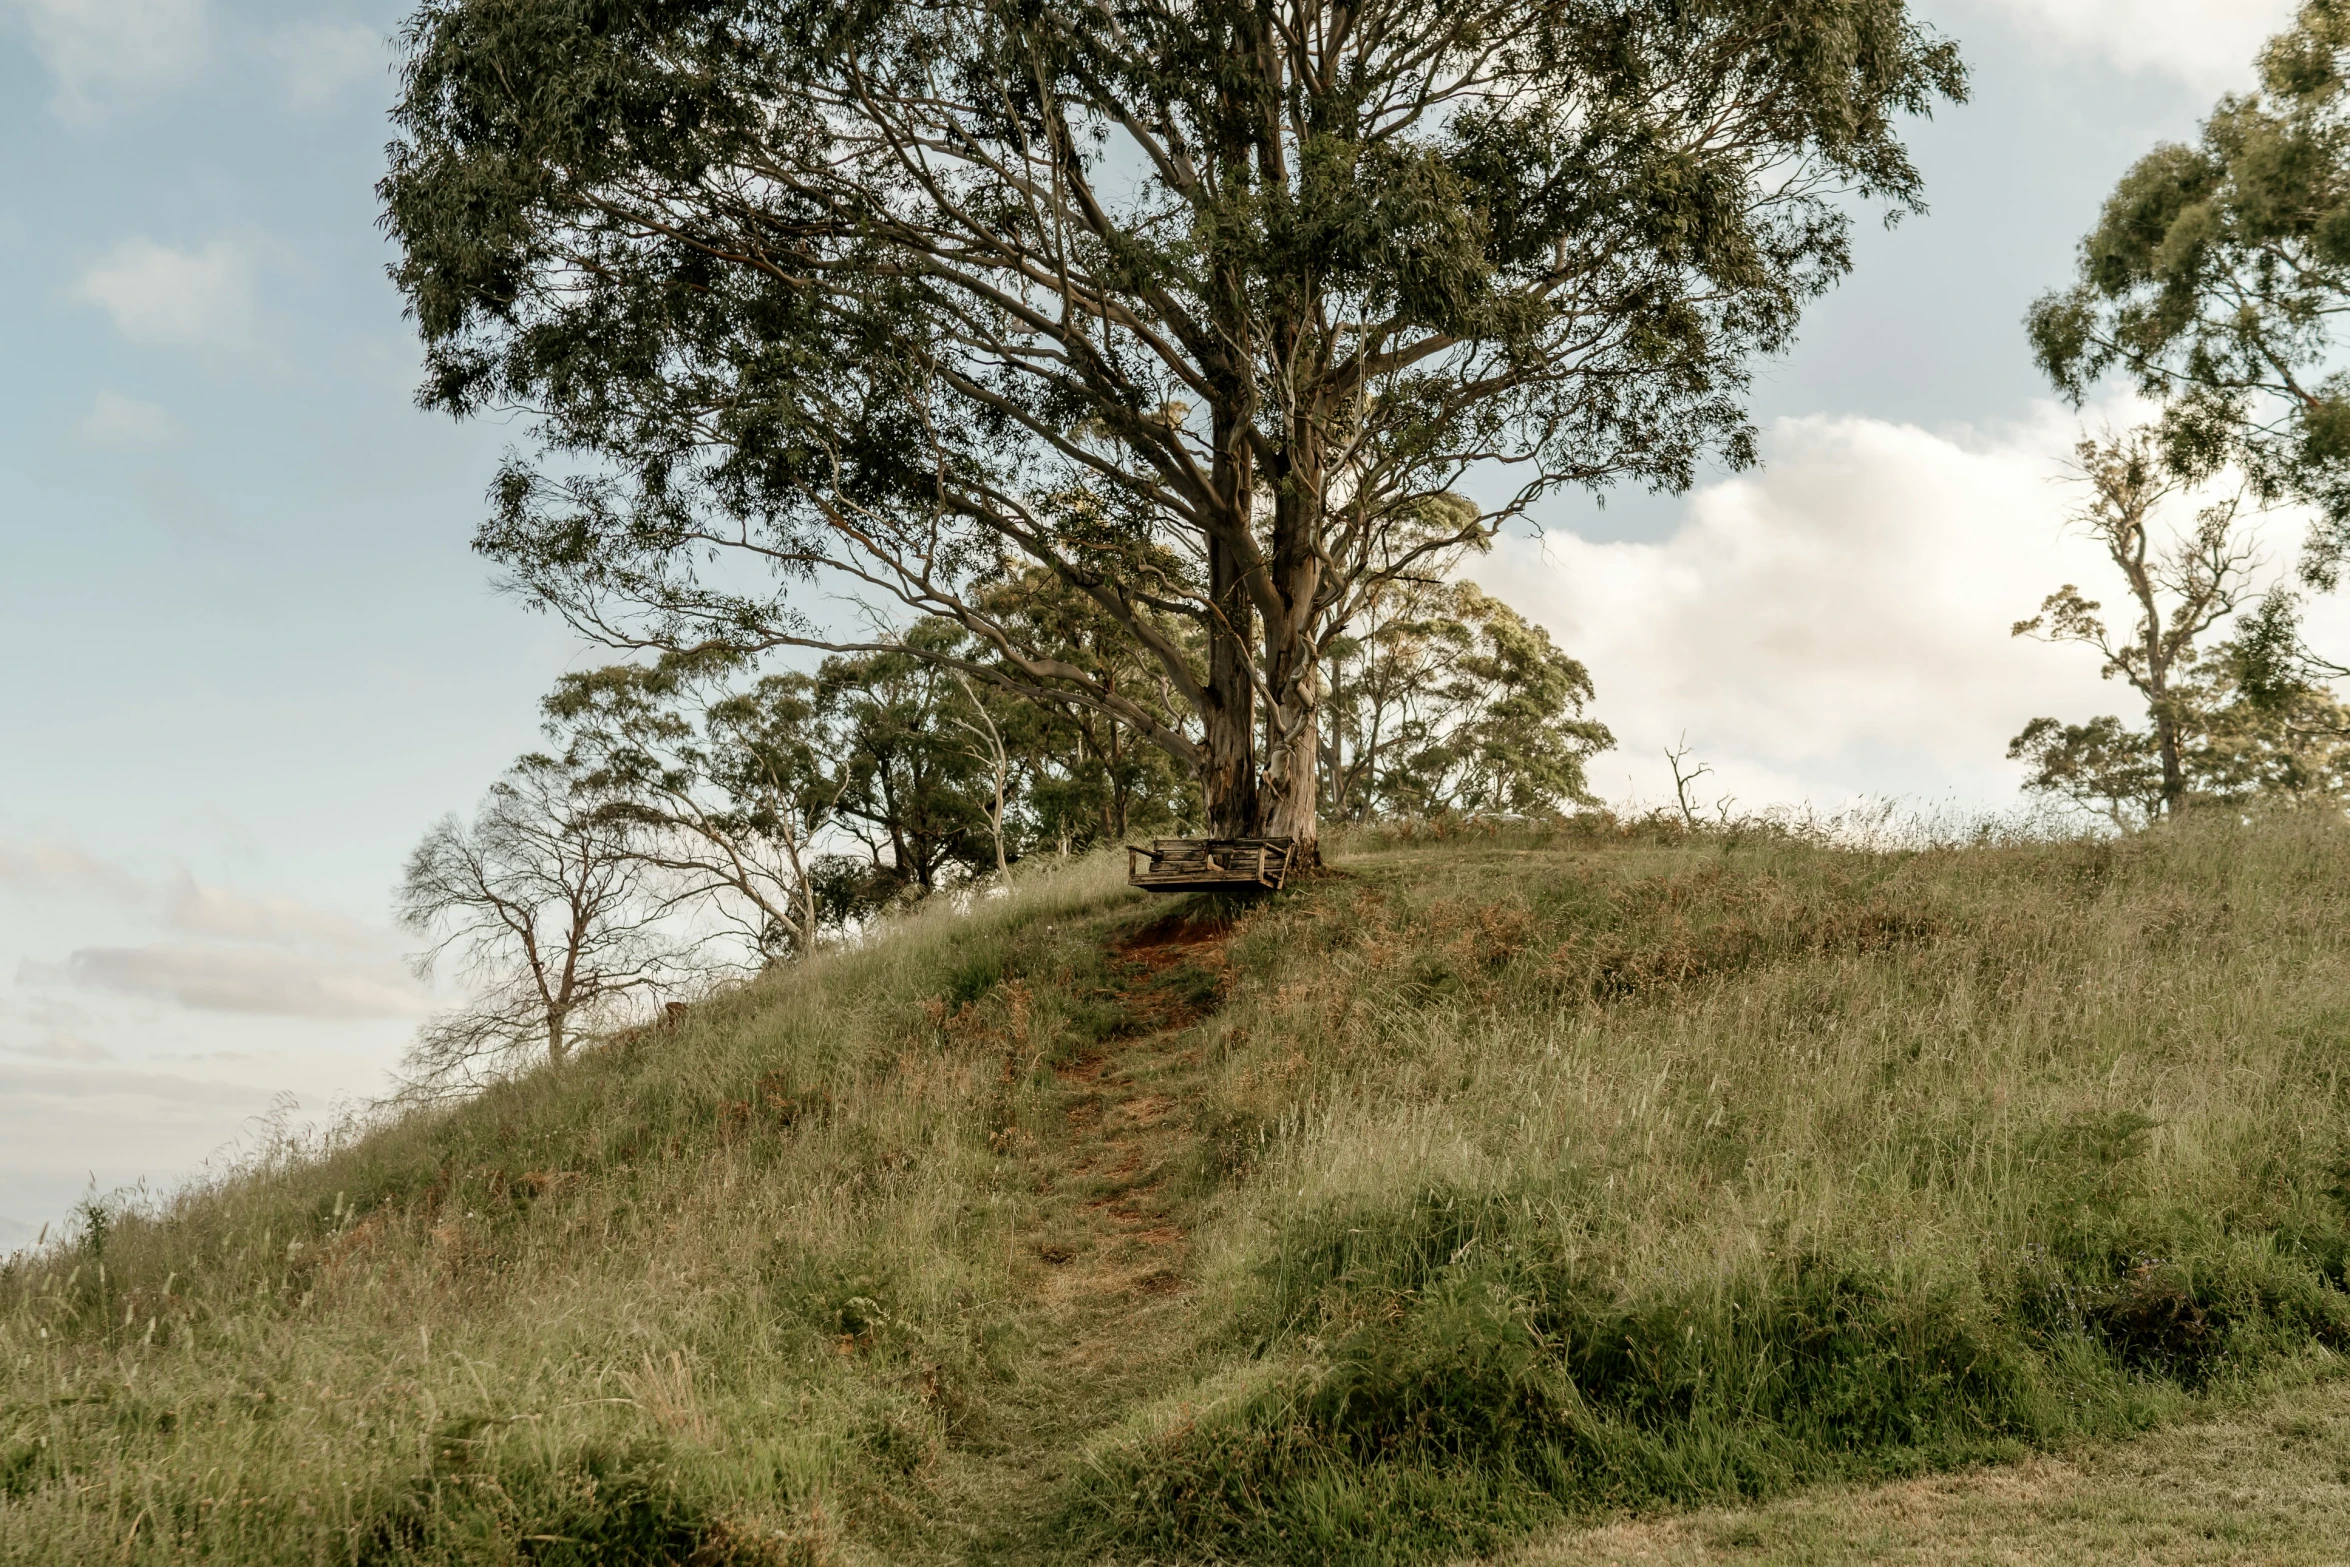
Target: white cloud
19,1083
66,1129
1835,624
59,870
253,953
210,977
2207,44
182,298
100,53
49,1028
172,1012
223,914
318,61
116,420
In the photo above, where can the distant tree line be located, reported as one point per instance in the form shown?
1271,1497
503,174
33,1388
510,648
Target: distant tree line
696,813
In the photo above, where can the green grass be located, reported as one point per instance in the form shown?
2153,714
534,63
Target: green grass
2271,1486
1497,1182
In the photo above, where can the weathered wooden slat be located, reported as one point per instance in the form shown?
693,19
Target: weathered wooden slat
1209,864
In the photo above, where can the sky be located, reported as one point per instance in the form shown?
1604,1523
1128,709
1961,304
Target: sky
250,657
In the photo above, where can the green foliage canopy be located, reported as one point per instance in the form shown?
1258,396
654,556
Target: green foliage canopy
1450,702
726,782
2238,747
2217,276
1195,305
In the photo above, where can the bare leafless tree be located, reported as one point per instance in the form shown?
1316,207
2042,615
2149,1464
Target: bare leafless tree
1684,780
543,902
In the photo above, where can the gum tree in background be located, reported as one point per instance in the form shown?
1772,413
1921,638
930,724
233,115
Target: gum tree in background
2217,279
1098,780
912,791
2248,719
1450,702
724,782
2178,592
1206,309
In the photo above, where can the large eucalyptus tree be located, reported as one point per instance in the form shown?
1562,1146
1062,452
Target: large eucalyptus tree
1216,310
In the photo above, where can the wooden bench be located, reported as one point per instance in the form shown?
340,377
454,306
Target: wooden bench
1209,864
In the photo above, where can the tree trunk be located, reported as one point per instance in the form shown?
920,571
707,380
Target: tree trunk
2166,747
1294,735
1292,663
1296,804
1118,802
2157,683
802,892
1228,780
1003,869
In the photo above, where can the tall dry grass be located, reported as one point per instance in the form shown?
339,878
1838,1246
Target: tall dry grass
1531,1174
605,1306
1593,1172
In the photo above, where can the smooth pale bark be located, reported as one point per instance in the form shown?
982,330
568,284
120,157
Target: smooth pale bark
1295,627
1296,808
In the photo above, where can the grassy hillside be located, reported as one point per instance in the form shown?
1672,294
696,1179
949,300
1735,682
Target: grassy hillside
1487,1185
2268,1486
